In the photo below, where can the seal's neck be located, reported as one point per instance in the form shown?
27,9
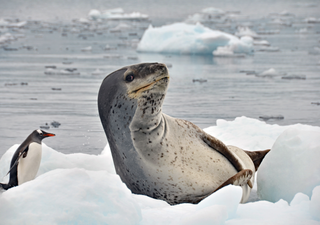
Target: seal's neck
148,113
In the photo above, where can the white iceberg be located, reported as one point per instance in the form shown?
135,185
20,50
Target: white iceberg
84,189
182,38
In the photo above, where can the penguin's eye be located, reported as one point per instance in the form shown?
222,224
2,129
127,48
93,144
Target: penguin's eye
130,77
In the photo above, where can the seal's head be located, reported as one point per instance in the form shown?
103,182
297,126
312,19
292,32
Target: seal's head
126,97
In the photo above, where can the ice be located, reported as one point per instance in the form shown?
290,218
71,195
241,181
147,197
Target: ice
116,14
207,15
270,73
94,14
84,189
294,77
312,20
87,49
6,38
268,49
182,38
67,71
246,31
262,42
292,165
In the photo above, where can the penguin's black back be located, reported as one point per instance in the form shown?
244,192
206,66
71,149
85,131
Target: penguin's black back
13,180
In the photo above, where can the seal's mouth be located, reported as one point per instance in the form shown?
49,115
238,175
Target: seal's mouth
149,86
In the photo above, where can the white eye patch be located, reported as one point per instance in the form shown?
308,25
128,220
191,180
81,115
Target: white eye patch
39,131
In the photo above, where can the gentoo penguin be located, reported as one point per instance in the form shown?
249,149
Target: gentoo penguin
26,160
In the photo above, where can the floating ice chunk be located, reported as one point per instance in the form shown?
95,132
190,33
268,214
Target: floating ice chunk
3,22
108,47
68,71
281,22
17,25
121,26
83,21
285,13
294,77
112,56
302,31
312,20
87,49
213,11
182,38
208,15
94,14
199,80
269,73
263,32
246,31
226,51
262,42
268,49
292,165
116,14
7,38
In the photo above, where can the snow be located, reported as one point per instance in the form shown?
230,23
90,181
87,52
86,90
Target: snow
84,189
182,38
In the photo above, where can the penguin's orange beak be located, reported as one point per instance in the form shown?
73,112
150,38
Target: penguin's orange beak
48,135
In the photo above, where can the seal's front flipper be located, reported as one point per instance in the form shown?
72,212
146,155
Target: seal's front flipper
220,147
257,157
240,179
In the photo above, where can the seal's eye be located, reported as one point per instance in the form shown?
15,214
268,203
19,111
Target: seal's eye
130,77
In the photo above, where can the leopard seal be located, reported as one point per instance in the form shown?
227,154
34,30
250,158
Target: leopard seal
161,156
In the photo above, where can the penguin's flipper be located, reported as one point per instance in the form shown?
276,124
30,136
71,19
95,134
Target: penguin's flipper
21,153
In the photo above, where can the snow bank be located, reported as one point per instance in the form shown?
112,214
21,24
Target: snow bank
84,189
182,38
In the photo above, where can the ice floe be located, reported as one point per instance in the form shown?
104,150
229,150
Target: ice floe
81,188
182,38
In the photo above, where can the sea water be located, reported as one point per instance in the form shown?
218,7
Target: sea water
36,90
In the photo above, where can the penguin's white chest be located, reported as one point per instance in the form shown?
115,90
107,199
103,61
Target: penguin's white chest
28,167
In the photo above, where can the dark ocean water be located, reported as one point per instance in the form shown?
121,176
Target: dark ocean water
30,98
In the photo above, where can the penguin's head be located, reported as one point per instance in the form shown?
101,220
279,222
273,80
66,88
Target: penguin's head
38,135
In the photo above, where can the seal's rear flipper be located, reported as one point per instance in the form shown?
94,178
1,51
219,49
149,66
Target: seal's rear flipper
257,157
240,179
